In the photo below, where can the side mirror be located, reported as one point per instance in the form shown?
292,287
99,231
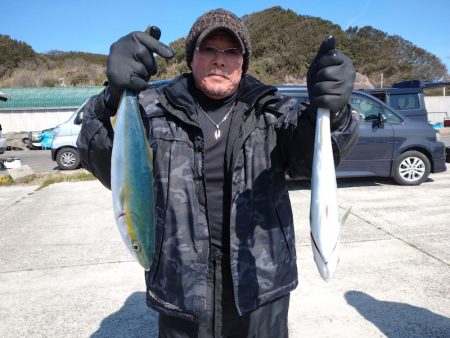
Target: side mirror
380,120
79,118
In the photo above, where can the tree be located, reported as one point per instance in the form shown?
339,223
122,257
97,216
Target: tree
12,53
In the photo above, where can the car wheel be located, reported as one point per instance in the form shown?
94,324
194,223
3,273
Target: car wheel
412,168
68,159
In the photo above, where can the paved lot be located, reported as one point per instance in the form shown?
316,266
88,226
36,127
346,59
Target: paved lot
38,160
64,271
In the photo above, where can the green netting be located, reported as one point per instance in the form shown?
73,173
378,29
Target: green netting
47,97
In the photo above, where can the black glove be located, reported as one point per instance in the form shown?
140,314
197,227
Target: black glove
330,78
131,63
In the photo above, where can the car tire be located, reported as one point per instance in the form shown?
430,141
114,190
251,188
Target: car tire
68,159
412,168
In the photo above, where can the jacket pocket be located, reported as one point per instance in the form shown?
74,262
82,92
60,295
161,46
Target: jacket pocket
284,213
160,215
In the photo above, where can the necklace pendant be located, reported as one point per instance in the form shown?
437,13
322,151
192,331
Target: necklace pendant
217,134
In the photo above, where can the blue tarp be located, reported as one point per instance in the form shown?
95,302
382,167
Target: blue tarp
46,138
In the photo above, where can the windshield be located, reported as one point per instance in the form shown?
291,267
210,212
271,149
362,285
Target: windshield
78,111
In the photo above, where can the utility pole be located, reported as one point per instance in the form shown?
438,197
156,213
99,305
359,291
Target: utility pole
381,85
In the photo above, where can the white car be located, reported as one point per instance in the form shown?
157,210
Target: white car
64,145
2,144
3,97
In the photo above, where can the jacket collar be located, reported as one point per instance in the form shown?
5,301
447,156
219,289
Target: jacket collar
251,90
177,99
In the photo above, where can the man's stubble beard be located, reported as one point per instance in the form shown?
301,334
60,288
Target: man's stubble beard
215,92
218,92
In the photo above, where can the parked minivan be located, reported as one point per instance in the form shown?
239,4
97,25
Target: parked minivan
389,144
64,146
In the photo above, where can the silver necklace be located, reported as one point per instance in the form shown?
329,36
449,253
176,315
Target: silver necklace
217,133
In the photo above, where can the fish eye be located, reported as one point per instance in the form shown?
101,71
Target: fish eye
136,247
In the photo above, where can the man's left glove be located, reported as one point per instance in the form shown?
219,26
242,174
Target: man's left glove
330,78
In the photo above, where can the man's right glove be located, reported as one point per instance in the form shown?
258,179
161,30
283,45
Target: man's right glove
131,63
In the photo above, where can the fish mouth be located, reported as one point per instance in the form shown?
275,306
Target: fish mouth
318,250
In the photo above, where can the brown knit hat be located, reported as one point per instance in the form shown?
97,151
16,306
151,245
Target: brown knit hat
218,19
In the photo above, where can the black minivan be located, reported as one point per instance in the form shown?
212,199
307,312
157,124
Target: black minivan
389,144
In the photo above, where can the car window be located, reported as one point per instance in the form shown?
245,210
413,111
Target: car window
390,117
405,101
367,108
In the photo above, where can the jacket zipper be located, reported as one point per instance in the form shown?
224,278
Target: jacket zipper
191,122
166,305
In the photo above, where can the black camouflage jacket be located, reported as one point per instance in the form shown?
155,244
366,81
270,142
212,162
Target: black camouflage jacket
269,135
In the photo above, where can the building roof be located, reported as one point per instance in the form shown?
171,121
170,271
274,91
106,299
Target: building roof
47,97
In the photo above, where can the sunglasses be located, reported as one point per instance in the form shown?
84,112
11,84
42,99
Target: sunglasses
210,51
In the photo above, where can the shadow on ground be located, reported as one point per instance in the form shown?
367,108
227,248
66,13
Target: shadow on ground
305,184
399,319
133,319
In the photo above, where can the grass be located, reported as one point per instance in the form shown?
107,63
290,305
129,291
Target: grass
57,178
6,180
44,180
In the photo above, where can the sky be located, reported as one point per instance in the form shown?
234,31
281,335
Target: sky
93,25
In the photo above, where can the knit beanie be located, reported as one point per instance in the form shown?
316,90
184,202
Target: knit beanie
218,19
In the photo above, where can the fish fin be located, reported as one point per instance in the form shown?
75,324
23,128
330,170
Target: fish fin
345,216
113,120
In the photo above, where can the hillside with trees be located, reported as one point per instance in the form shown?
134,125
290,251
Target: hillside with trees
21,66
283,43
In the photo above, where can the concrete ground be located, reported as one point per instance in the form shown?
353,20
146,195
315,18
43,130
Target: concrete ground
64,271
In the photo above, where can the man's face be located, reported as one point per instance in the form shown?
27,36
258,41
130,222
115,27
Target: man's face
217,74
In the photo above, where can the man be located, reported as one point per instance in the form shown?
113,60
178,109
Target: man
225,259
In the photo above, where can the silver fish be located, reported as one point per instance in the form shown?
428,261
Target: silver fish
132,181
324,211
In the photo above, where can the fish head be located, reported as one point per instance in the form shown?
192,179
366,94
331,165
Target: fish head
140,253
137,243
128,224
127,227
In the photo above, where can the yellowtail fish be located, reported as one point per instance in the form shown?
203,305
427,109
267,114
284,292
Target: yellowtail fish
132,181
324,214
